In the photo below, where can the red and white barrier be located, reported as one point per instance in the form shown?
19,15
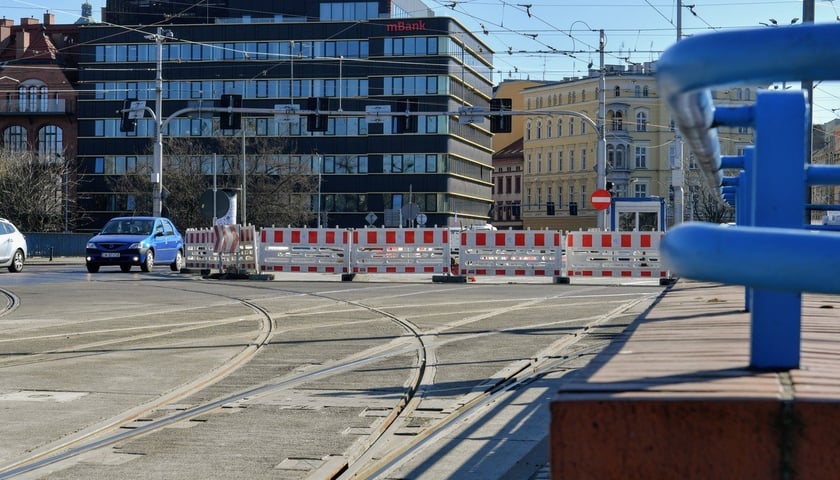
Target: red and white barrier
223,247
614,254
238,250
319,250
199,251
511,252
427,251
398,250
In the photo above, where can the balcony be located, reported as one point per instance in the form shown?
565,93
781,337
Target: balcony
52,106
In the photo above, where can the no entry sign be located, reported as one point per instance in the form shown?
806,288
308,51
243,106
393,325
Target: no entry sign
601,199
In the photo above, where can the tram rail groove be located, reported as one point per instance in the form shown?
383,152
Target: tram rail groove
544,362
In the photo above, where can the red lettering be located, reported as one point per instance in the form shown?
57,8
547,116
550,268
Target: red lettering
402,26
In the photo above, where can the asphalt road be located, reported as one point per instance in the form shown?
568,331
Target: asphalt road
167,375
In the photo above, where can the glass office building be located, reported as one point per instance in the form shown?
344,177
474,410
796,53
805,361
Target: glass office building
360,56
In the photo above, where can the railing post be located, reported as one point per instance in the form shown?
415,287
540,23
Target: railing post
778,193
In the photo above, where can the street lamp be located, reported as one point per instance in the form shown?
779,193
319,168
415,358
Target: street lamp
157,161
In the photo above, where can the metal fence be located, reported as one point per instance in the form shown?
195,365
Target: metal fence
56,244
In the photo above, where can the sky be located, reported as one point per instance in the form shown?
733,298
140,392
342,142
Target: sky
553,39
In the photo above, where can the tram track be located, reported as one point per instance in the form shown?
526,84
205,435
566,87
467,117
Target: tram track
11,302
365,456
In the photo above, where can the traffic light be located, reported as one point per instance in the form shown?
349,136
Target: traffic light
500,122
573,208
407,123
317,122
231,120
127,124
549,208
610,186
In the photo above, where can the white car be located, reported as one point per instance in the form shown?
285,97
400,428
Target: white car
12,246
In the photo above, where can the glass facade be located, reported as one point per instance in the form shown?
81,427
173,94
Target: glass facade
364,164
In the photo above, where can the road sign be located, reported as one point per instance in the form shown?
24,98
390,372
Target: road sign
422,219
287,113
374,111
471,115
371,218
138,107
601,199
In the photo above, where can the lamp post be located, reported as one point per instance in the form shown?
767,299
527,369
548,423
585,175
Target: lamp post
157,152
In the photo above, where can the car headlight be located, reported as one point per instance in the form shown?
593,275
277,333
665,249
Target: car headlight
137,245
91,245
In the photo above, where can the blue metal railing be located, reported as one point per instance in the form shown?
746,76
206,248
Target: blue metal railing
770,250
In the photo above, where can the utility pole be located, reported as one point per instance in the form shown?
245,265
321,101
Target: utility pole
157,152
601,150
808,86
677,173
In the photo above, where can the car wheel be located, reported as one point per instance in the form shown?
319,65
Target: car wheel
178,263
17,262
149,263
125,268
92,268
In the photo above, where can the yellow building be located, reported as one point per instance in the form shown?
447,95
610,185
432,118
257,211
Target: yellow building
642,145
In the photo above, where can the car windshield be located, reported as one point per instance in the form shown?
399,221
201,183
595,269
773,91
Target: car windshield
128,227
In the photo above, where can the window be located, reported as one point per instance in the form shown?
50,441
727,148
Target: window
539,129
548,132
559,160
14,138
571,159
641,157
641,122
618,121
645,91
528,130
583,158
617,91
640,189
50,143
571,126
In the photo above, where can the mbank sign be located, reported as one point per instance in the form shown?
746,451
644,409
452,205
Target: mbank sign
406,26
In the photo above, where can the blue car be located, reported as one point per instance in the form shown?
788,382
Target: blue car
129,241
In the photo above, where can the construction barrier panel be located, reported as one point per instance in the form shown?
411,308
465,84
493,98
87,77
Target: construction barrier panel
401,250
237,248
307,250
614,254
511,252
198,249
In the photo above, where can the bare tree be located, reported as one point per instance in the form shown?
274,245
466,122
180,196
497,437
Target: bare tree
36,195
706,203
279,186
